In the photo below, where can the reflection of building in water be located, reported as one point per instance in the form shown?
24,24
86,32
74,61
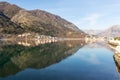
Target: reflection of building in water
34,39
92,39
117,61
34,42
29,39
28,42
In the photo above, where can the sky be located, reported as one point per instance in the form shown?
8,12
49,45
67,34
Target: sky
85,14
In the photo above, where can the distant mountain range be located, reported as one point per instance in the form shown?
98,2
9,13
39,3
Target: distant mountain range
113,31
15,20
91,31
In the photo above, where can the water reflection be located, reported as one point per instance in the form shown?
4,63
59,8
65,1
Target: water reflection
15,57
92,58
116,57
27,42
99,45
48,61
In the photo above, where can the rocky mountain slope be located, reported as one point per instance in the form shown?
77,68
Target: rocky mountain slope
39,21
7,26
113,31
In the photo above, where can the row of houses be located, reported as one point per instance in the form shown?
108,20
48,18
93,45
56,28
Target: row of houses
36,36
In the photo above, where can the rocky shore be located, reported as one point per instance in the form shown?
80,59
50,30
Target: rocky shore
115,45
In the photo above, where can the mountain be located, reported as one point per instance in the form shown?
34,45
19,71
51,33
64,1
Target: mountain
113,31
7,26
92,32
9,9
39,21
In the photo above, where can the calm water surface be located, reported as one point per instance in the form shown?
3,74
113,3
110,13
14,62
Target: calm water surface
57,61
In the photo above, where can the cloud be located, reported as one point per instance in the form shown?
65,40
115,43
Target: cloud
89,20
90,58
92,19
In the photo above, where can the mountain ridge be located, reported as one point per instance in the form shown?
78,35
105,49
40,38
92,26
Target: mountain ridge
113,31
40,21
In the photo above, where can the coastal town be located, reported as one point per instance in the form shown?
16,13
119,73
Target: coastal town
28,39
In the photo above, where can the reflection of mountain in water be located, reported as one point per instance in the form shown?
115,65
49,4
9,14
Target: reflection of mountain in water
14,58
116,57
99,45
93,45
117,62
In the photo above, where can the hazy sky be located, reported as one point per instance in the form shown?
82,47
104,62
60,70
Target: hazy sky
86,14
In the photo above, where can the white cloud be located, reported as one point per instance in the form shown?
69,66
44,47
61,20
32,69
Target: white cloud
91,58
90,20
